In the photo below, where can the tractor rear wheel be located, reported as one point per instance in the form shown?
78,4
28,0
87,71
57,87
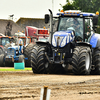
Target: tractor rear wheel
27,53
81,60
96,62
39,62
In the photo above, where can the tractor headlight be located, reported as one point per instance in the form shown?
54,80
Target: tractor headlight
16,51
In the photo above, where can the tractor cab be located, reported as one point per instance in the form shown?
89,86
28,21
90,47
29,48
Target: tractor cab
4,40
82,24
72,23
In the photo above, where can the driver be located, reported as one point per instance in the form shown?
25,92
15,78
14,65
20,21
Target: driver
76,26
20,42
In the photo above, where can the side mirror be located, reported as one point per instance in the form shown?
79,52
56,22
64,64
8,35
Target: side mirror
46,18
95,20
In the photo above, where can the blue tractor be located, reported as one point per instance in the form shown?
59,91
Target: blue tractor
14,54
74,42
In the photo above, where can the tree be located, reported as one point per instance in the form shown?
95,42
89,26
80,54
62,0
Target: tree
87,5
68,5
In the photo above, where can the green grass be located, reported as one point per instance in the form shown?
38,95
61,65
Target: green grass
12,69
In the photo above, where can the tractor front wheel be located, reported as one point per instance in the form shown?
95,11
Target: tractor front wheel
21,59
39,62
81,60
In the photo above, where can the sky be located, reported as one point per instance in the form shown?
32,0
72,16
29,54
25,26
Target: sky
28,8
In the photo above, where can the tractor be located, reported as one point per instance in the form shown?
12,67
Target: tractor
37,34
4,43
74,43
14,53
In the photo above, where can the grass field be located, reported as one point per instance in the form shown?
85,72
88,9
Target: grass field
12,69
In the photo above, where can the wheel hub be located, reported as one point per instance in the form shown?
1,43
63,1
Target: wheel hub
87,61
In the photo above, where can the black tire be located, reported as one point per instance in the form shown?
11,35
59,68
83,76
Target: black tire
56,69
81,60
27,54
39,62
2,64
34,59
21,58
96,62
9,64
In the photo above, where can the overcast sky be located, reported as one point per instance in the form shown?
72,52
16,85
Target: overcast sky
28,8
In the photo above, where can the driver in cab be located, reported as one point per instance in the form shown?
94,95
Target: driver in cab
76,26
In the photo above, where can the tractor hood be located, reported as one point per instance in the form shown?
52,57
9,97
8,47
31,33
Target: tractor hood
62,38
14,47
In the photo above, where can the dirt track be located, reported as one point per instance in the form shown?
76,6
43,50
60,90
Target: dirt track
27,86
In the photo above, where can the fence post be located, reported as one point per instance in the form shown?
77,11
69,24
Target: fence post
45,92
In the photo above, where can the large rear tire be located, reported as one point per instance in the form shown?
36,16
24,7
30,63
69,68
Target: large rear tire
96,62
27,53
39,62
81,60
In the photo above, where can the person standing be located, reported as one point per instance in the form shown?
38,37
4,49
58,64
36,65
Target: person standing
8,29
20,43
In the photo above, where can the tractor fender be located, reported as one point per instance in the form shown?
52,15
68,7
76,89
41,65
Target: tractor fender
95,40
46,44
41,42
84,44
